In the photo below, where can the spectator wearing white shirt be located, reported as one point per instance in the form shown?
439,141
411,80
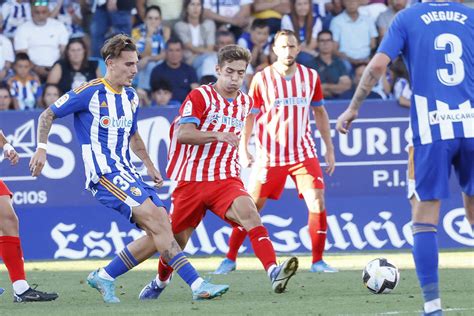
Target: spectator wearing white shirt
232,15
42,38
7,57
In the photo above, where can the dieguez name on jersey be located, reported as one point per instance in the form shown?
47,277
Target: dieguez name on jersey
298,101
217,118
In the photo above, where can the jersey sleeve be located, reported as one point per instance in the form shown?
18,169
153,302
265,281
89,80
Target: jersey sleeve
69,103
318,98
255,93
394,40
192,109
135,109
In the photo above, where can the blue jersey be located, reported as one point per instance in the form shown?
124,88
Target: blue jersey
104,120
437,44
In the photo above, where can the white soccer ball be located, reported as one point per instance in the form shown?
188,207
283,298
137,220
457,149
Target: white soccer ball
380,276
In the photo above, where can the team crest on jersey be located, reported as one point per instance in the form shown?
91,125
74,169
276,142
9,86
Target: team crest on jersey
188,109
136,191
59,102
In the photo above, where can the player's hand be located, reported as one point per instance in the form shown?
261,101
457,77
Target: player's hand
10,153
37,162
155,175
247,160
230,138
330,161
344,120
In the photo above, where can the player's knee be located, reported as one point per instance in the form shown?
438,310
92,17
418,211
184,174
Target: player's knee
317,205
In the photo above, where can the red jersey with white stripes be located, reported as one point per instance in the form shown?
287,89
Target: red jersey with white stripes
210,112
282,106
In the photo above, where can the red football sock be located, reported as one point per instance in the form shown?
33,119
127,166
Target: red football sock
10,249
236,240
164,270
317,225
262,246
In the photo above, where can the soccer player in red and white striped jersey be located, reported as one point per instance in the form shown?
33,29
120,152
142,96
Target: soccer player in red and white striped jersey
203,158
284,94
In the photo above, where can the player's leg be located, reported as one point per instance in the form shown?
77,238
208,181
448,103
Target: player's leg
264,183
464,167
309,180
12,253
469,206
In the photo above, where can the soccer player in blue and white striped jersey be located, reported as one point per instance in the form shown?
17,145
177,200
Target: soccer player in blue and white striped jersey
436,41
105,119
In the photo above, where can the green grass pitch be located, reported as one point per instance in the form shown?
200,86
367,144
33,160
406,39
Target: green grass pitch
250,291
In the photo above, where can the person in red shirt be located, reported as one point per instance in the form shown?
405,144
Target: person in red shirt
284,93
10,245
203,158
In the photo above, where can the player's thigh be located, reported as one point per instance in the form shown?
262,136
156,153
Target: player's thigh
8,218
426,212
469,206
244,213
187,206
464,165
267,182
307,175
429,168
151,218
314,199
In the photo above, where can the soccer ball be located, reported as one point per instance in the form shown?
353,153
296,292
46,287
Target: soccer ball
380,276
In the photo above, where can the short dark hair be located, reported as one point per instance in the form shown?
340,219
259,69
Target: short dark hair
153,7
174,40
225,33
21,56
259,24
117,44
324,32
162,85
285,32
230,53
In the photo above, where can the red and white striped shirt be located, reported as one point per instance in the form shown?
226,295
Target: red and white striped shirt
283,134
210,112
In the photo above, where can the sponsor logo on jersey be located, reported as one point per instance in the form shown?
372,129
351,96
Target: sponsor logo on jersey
122,122
188,109
217,118
59,102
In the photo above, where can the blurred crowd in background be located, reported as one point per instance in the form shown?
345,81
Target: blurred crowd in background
50,47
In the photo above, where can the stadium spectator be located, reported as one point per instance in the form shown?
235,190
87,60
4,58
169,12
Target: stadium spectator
401,84
372,8
14,14
171,10
130,196
25,83
181,76
284,93
50,94
223,38
358,71
334,8
198,35
7,57
75,68
10,244
69,13
204,144
162,94
355,34
257,42
42,38
271,12
306,25
232,16
150,37
331,70
385,18
6,99
114,14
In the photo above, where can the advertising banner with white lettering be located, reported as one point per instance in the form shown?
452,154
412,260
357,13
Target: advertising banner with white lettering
365,198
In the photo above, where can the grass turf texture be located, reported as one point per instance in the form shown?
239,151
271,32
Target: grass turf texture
250,292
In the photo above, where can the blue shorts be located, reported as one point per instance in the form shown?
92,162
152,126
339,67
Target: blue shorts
429,168
122,192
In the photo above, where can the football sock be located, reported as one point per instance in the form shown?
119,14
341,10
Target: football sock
262,246
186,271
164,273
236,240
12,254
425,254
20,287
123,262
317,226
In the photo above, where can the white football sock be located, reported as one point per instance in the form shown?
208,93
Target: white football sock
20,287
270,270
196,284
162,284
104,275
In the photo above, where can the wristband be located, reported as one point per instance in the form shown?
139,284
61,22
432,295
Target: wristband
7,148
42,146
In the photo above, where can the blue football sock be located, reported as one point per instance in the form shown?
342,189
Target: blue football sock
123,262
186,271
425,253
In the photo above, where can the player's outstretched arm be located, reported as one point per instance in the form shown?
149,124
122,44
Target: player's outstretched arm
190,135
375,69
8,150
38,160
322,122
138,147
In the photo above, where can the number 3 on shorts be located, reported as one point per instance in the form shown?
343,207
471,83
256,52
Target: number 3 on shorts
123,181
